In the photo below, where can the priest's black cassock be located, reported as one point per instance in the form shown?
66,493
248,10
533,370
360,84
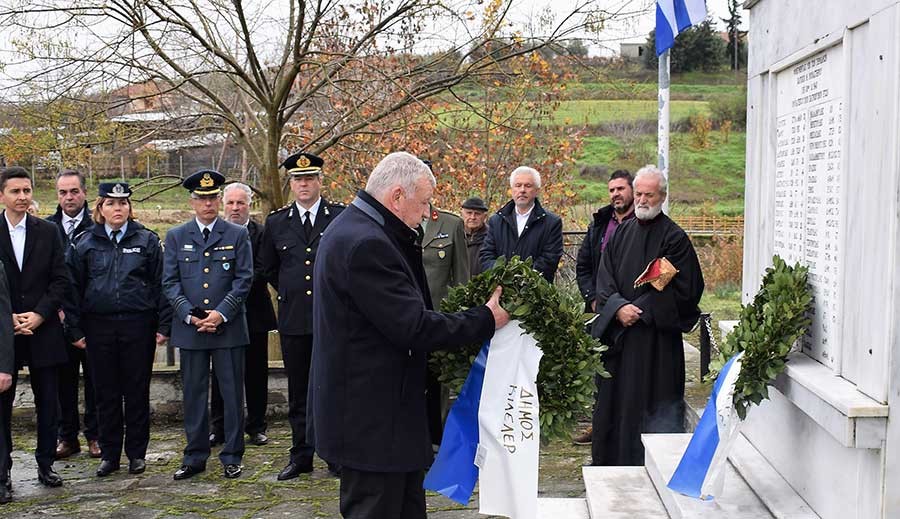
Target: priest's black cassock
646,359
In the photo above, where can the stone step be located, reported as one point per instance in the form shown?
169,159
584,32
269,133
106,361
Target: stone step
662,452
778,496
621,493
562,508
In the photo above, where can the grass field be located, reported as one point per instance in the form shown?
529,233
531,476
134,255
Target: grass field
632,90
700,179
592,112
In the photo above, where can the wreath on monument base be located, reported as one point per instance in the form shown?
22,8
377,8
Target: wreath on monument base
556,321
766,333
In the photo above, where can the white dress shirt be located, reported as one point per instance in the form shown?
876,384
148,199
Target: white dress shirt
201,226
522,219
17,237
75,221
313,211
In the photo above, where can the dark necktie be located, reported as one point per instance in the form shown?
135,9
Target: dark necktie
206,234
307,225
114,237
71,230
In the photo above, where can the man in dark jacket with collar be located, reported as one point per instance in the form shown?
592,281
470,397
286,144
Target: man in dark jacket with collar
474,215
290,240
523,228
374,327
604,223
73,217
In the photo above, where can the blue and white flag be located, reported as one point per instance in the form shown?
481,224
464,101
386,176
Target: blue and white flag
701,471
492,431
674,16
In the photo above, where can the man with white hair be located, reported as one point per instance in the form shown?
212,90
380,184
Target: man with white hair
643,311
524,228
374,327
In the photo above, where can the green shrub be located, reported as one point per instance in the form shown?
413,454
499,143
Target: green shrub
730,107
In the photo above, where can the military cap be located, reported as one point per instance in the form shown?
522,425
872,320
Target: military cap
114,190
300,164
204,182
475,203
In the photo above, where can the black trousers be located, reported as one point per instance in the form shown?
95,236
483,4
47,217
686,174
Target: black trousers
296,350
379,495
229,367
256,389
121,353
44,387
69,423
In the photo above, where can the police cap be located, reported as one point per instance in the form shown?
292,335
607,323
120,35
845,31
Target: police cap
300,164
114,190
204,182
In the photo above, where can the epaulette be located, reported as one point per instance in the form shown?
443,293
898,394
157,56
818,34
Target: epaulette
337,204
448,213
287,206
79,235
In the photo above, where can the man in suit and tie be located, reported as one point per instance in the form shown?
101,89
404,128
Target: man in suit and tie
290,241
207,274
237,198
33,257
73,217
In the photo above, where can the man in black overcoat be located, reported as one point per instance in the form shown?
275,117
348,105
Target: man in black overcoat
290,241
524,228
33,257
374,326
7,373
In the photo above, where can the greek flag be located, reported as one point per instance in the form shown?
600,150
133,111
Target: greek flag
492,433
674,16
701,471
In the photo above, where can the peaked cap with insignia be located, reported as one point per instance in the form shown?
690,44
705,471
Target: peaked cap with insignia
113,190
300,164
204,182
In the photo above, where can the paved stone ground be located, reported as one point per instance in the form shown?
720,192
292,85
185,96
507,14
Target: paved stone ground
257,494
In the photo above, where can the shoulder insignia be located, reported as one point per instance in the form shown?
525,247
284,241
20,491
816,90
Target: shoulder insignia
286,206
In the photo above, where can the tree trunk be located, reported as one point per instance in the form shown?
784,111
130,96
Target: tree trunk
269,177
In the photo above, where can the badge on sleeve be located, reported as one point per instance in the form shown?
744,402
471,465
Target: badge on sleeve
442,253
226,265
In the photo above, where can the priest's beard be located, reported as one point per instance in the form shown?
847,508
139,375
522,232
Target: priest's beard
647,212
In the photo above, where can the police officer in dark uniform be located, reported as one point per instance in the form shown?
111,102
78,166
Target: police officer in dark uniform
290,240
119,317
207,273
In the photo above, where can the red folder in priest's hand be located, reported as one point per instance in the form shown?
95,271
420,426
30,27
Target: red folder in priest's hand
658,273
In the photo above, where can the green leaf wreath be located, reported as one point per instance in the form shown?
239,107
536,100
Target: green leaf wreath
555,319
766,332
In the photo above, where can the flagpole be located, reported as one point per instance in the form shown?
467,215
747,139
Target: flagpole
663,127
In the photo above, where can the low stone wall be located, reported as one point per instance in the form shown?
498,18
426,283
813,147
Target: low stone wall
165,393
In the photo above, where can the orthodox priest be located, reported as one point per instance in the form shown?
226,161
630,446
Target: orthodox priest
648,287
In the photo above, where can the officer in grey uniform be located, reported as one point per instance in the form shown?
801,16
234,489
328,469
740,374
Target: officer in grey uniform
207,274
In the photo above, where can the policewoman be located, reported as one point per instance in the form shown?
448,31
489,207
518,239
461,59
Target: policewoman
207,274
120,317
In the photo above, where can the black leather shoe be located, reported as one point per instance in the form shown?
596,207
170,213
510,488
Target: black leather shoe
137,466
106,468
258,439
187,471
231,471
9,480
49,478
5,493
216,439
294,469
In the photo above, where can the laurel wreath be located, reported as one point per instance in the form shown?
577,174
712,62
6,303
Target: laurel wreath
556,321
766,333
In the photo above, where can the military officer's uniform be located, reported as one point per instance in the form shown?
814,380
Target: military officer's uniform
209,268
288,256
446,262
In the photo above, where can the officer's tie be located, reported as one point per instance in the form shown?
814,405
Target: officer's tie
206,234
307,225
114,237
